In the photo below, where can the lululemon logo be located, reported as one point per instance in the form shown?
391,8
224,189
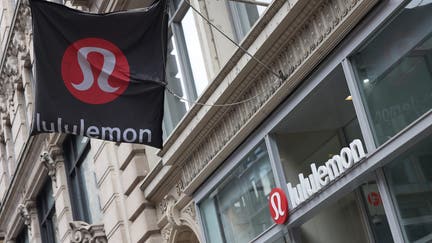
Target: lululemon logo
95,71
278,205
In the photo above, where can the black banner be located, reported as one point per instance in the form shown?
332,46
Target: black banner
100,75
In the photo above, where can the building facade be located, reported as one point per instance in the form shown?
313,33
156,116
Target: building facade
331,103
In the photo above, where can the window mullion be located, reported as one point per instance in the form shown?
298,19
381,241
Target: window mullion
359,107
389,207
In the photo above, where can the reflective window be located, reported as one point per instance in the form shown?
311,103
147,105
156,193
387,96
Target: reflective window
194,51
186,69
340,222
394,71
47,215
317,129
410,181
375,213
245,15
187,73
237,210
83,189
174,109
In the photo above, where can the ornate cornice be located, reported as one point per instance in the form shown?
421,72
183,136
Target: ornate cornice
83,232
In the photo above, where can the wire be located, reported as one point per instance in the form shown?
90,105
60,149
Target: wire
214,105
280,75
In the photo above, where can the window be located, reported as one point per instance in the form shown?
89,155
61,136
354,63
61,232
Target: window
47,215
394,71
186,70
23,236
410,179
187,74
82,180
338,223
317,129
237,210
245,15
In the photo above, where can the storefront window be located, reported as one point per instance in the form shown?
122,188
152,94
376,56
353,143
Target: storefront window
339,223
318,128
237,210
375,213
394,71
410,181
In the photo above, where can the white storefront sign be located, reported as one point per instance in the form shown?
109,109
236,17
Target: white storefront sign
326,173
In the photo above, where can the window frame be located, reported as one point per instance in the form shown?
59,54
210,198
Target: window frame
77,190
46,212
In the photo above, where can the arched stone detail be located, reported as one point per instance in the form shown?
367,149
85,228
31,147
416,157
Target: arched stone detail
178,220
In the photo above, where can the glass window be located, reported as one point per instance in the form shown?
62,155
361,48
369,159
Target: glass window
410,181
245,15
81,180
23,236
186,69
194,51
174,109
47,215
317,129
338,223
394,71
237,210
375,213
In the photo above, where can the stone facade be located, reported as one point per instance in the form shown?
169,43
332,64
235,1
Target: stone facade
145,194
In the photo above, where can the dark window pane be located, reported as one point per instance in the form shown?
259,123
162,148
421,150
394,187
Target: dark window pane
410,180
394,71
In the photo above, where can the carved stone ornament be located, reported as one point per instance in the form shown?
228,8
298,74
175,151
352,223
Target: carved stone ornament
50,164
166,232
83,232
190,211
25,215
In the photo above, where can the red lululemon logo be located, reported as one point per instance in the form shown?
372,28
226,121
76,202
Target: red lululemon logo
95,71
278,205
374,199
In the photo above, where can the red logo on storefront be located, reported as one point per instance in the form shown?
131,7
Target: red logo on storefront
374,199
278,205
95,71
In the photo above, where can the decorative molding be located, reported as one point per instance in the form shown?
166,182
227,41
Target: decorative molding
17,53
297,48
166,232
25,215
190,211
163,206
179,187
176,220
83,232
25,211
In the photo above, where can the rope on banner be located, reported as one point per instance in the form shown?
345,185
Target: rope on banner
280,75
